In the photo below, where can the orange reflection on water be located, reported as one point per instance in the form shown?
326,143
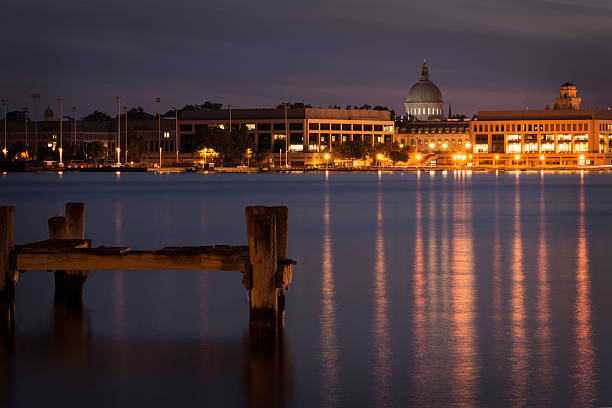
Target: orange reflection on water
421,379
584,366
498,312
382,342
329,342
544,384
518,321
465,369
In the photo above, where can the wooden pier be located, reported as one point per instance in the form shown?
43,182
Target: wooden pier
264,265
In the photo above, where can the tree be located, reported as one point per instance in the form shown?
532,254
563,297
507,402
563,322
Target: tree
137,144
231,147
353,150
139,114
97,116
96,150
294,105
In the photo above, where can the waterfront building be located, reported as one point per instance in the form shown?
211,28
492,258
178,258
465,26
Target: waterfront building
451,135
564,136
424,100
309,129
80,133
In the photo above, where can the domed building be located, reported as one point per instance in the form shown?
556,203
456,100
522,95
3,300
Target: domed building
424,101
568,98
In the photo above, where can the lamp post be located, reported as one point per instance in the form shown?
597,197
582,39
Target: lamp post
286,106
4,150
126,110
60,100
230,119
176,133
327,160
118,144
74,124
158,100
35,97
25,115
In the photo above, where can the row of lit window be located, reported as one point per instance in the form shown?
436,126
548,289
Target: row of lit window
461,129
533,148
531,127
425,111
349,126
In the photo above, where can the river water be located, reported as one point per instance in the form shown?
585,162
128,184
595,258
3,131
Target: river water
410,289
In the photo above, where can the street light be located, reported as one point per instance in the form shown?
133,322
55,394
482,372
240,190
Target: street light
126,110
496,159
158,100
4,150
35,97
25,115
379,157
285,106
326,160
118,99
176,133
60,100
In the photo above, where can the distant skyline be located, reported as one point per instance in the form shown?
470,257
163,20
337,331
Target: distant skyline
496,55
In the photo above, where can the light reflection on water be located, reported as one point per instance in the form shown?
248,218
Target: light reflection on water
584,365
329,342
383,359
410,289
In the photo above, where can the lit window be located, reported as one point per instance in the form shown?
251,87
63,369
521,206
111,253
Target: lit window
250,126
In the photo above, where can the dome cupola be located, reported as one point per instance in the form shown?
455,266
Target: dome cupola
424,100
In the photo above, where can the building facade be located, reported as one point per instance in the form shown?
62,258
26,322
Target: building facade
308,129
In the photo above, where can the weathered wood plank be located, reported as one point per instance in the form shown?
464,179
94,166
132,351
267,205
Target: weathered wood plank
54,245
89,259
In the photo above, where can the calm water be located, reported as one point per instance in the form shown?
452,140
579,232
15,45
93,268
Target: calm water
410,289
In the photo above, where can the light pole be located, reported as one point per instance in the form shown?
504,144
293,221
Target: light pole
36,97
60,100
287,135
176,133
74,124
25,115
118,145
230,119
126,110
327,160
4,150
158,100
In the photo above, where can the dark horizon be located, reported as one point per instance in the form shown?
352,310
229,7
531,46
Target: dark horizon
498,56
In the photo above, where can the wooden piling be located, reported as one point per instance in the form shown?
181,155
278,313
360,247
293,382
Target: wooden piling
261,232
7,283
283,274
69,283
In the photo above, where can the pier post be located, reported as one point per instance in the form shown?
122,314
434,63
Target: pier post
7,283
261,232
69,284
282,277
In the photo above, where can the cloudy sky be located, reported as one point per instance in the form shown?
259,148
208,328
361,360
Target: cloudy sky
483,55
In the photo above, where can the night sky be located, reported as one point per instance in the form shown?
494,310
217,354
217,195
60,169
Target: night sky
482,55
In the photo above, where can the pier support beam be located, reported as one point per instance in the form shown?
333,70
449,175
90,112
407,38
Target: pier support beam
7,282
267,237
69,284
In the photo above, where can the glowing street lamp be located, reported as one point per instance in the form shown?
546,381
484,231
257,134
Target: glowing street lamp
431,146
326,160
379,157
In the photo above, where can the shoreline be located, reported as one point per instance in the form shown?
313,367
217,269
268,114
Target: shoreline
590,169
